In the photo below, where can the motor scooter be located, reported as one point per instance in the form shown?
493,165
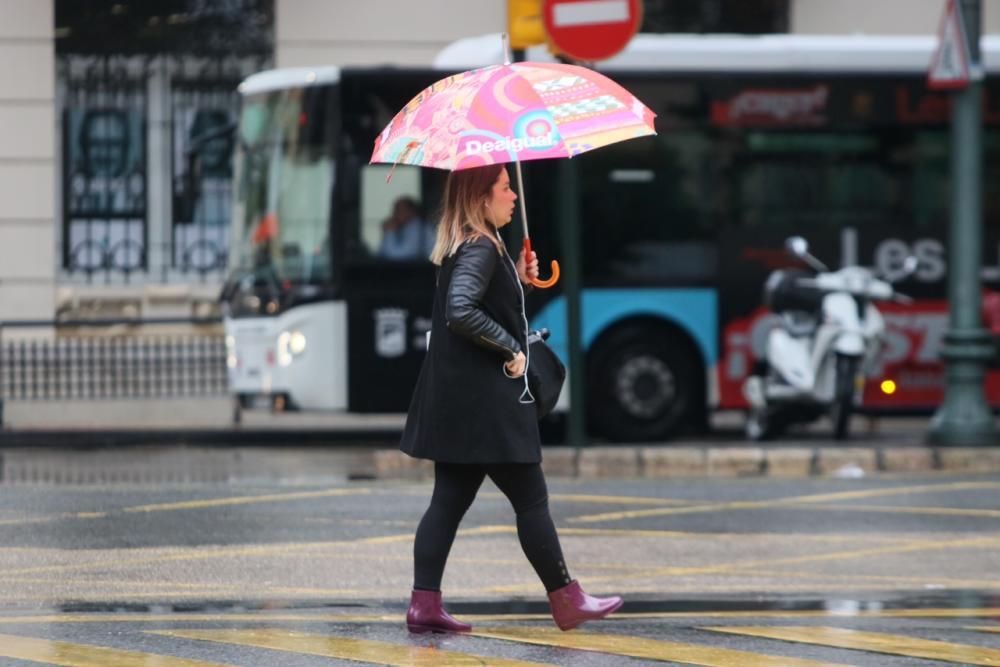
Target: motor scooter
827,340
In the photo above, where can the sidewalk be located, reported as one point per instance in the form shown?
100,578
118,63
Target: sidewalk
215,413
339,464
206,421
201,413
185,440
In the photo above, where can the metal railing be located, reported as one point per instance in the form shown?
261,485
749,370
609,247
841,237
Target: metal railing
111,359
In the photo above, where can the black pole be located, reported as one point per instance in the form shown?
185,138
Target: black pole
571,278
965,418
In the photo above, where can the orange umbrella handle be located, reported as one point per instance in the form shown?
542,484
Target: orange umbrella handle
544,284
538,282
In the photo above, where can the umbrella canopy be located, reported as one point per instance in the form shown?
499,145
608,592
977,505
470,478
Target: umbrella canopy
512,113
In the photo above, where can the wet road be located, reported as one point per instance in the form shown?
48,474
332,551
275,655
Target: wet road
888,570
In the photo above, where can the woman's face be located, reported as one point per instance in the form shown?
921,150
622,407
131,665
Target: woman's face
500,205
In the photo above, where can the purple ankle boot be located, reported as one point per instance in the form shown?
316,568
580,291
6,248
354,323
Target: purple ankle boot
571,606
427,615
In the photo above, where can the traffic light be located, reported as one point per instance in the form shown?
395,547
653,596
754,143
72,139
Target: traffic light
524,23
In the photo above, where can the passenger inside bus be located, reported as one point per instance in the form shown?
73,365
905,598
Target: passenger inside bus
405,234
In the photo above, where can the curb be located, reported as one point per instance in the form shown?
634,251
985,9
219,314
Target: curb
679,462
184,465
336,465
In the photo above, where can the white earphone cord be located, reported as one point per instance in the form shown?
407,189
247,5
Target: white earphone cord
527,345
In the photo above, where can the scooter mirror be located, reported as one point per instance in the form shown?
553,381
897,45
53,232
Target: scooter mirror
797,245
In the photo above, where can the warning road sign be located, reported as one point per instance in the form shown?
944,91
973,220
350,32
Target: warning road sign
949,68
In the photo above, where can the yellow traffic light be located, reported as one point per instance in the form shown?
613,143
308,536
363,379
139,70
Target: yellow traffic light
524,23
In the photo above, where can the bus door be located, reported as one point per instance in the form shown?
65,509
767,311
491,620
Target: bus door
388,288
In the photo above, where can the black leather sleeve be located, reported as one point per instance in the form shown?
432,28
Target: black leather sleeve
474,266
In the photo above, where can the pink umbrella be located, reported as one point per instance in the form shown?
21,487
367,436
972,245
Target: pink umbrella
512,113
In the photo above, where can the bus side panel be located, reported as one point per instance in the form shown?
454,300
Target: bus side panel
694,310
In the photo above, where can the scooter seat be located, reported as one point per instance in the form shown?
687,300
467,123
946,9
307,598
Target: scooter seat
798,324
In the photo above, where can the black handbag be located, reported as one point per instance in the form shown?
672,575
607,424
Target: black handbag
546,373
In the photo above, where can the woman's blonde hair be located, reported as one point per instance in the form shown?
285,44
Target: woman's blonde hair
463,211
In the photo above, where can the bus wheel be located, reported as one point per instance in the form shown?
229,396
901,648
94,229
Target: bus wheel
643,385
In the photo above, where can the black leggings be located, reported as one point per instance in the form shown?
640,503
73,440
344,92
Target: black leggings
455,487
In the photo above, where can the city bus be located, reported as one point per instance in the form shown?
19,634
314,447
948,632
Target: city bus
836,139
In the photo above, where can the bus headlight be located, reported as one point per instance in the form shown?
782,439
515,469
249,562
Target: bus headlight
290,345
297,343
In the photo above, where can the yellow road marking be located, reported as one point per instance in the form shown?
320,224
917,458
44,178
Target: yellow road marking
925,545
188,505
694,588
119,583
625,532
898,490
639,647
271,617
66,654
878,642
664,511
242,551
53,517
285,549
610,500
381,653
424,491
728,537
944,511
245,500
743,565
188,554
290,599
408,537
889,578
758,504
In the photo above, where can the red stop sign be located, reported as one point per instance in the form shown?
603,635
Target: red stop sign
591,29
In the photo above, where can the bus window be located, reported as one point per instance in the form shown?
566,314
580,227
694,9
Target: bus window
394,226
795,179
931,174
282,212
646,210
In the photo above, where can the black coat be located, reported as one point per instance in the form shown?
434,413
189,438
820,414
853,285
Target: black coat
464,408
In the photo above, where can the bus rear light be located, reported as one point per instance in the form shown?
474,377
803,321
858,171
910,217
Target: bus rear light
888,387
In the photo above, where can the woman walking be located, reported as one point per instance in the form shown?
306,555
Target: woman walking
472,412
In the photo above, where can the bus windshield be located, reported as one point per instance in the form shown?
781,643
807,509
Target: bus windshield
285,166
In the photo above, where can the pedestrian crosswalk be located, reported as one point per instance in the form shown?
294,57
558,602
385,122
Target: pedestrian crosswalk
649,649
880,642
190,642
71,654
374,652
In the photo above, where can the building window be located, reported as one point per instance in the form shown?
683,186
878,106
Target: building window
142,86
725,16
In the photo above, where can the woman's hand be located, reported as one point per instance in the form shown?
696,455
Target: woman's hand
527,271
515,367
